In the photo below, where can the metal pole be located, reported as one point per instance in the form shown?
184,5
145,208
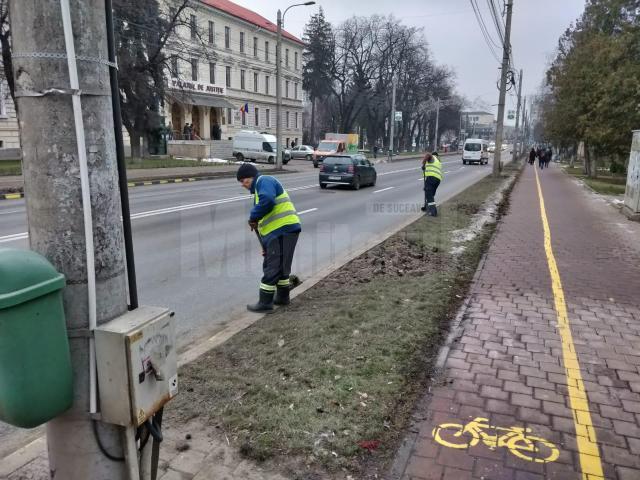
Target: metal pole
54,206
279,94
435,141
497,167
122,168
515,146
393,117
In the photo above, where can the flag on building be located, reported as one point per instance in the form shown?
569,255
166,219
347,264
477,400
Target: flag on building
245,108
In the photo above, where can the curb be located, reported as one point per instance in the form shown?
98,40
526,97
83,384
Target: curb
405,449
11,196
162,181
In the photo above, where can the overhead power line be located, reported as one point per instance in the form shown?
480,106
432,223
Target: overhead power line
483,29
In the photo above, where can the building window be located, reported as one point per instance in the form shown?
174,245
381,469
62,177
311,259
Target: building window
255,81
255,46
194,69
212,33
227,37
287,123
228,76
267,114
174,67
295,90
242,79
193,24
212,73
266,85
229,117
286,89
296,122
286,57
295,60
266,51
287,142
256,117
244,117
241,42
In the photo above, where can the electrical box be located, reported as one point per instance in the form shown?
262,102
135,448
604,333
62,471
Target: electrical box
137,365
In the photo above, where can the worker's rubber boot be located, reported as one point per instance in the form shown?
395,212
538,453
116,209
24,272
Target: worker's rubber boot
424,207
433,211
264,305
282,296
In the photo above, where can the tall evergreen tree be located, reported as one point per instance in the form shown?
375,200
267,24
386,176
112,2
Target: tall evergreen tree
317,62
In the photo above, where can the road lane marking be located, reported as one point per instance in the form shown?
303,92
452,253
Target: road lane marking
14,237
307,211
588,452
383,190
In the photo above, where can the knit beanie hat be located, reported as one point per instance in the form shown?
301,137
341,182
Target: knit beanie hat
247,170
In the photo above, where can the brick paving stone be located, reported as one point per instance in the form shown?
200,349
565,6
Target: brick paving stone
508,364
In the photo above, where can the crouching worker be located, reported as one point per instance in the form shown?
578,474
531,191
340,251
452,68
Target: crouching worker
274,218
432,169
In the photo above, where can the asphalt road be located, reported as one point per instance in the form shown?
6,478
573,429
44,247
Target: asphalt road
195,254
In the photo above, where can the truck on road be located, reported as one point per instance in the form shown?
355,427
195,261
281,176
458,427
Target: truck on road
335,143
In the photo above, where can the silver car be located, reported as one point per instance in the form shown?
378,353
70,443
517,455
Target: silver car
302,152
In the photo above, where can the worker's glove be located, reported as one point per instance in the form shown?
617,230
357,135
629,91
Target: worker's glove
253,225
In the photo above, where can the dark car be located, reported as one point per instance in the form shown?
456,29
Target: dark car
353,170
302,152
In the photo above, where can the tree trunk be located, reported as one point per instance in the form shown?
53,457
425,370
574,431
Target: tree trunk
313,121
136,150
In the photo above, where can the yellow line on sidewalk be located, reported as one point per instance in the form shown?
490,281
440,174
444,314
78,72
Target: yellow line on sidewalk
589,454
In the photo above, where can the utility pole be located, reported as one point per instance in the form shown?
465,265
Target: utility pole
435,141
279,94
515,141
53,178
506,53
394,82
523,130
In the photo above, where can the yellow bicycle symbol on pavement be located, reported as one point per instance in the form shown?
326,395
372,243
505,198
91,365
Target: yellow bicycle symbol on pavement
516,439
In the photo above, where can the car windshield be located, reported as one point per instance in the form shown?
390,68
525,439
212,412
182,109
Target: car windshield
472,147
337,161
327,146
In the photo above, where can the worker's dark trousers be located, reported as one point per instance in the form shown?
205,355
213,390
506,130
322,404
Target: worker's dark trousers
276,266
430,187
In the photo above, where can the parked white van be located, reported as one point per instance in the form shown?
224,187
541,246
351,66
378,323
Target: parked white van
475,150
255,146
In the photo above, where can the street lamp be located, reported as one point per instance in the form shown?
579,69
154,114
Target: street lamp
279,82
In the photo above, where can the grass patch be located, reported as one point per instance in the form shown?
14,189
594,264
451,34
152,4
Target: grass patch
606,186
347,360
606,182
10,167
141,163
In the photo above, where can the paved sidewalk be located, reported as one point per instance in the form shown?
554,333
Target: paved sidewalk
514,366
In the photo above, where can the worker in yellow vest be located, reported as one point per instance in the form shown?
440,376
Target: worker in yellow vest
275,219
432,168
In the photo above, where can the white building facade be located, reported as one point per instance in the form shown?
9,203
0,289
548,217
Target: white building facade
228,83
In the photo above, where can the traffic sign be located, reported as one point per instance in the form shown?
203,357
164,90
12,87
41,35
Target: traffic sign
398,117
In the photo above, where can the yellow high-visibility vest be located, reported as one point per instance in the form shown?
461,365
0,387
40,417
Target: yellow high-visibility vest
433,169
283,213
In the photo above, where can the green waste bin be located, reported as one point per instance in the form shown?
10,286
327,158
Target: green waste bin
36,382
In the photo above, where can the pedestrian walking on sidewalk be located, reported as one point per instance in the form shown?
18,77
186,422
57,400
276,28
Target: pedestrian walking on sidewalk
547,157
432,168
532,156
541,160
276,222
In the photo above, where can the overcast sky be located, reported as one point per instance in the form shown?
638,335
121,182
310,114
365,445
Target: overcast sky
454,36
